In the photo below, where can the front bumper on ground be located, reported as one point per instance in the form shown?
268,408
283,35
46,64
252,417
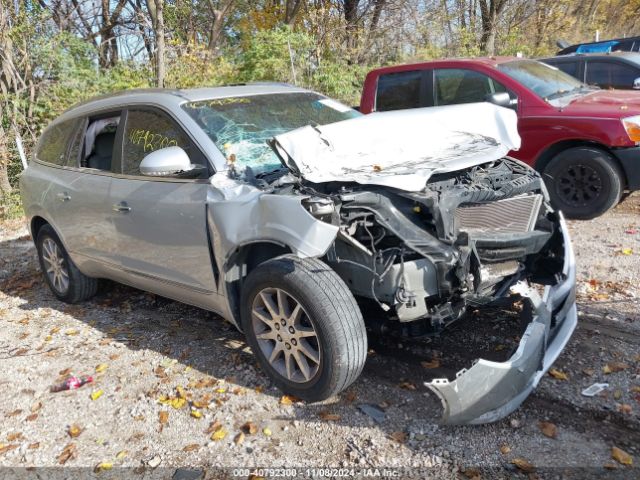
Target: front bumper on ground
489,391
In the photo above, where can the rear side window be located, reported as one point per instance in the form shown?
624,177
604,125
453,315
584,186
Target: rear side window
611,75
399,91
54,144
150,130
454,86
570,68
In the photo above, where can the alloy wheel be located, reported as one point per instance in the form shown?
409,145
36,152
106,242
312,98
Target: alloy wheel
55,265
286,335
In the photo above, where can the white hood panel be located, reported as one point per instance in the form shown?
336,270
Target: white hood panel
401,149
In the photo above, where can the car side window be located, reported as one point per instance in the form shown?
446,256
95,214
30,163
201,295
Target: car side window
54,143
399,91
455,85
98,147
147,131
611,74
570,68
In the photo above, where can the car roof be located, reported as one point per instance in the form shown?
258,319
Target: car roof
171,97
488,61
631,56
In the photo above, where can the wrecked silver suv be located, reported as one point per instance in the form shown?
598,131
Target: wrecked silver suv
285,212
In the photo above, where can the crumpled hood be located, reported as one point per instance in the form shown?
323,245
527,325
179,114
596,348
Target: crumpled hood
401,149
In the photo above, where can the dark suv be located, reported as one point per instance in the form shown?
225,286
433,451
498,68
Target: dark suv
619,70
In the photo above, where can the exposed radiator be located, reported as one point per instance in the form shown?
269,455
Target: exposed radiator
511,215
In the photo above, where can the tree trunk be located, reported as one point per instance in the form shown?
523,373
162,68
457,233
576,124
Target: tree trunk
5,186
351,19
490,11
159,31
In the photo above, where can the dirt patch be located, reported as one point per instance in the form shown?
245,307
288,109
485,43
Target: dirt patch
176,386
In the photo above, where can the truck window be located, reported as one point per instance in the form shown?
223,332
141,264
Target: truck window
611,75
398,91
570,68
454,85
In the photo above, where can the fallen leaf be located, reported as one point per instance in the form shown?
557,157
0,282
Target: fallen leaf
15,413
625,408
72,331
102,466
35,407
96,395
614,367
504,449
435,363
191,447
558,374
400,437
287,400
163,417
610,466
196,414
548,429
589,372
523,465
621,456
267,431
181,393
121,454
33,446
101,368
31,417
407,386
635,389
329,417
250,428
219,435
626,251
472,473
70,451
6,448
617,394
74,430
14,436
259,389
239,439
213,427
351,396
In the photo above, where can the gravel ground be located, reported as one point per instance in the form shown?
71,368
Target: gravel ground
174,386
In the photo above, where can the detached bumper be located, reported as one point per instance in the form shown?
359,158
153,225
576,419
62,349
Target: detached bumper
489,391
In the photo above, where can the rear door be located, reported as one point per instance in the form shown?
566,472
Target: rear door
160,223
77,197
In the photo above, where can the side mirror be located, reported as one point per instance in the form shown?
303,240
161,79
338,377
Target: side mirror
169,161
636,84
502,99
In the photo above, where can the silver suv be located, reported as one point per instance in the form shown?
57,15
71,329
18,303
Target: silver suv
285,212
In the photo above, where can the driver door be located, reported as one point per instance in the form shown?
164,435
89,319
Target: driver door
160,222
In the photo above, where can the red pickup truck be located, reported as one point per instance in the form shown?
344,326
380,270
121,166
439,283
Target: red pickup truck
584,141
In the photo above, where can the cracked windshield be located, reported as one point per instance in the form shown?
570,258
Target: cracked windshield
241,126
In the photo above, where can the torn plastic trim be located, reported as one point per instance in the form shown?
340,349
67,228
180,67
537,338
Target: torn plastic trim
489,391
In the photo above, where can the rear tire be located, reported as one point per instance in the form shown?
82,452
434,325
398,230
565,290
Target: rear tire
304,326
583,182
63,277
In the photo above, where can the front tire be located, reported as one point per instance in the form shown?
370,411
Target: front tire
583,182
304,326
63,277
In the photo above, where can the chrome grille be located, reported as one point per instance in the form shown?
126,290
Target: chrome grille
510,215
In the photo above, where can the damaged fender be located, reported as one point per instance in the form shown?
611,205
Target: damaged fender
250,215
489,391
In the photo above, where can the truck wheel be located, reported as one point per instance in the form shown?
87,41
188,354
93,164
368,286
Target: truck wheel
305,327
583,182
61,274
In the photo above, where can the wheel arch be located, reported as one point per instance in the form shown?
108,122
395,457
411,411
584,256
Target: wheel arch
242,262
37,222
551,151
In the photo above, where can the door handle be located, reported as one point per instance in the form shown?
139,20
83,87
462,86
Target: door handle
121,207
63,196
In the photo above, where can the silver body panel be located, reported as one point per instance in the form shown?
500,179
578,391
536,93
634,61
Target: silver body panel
178,237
